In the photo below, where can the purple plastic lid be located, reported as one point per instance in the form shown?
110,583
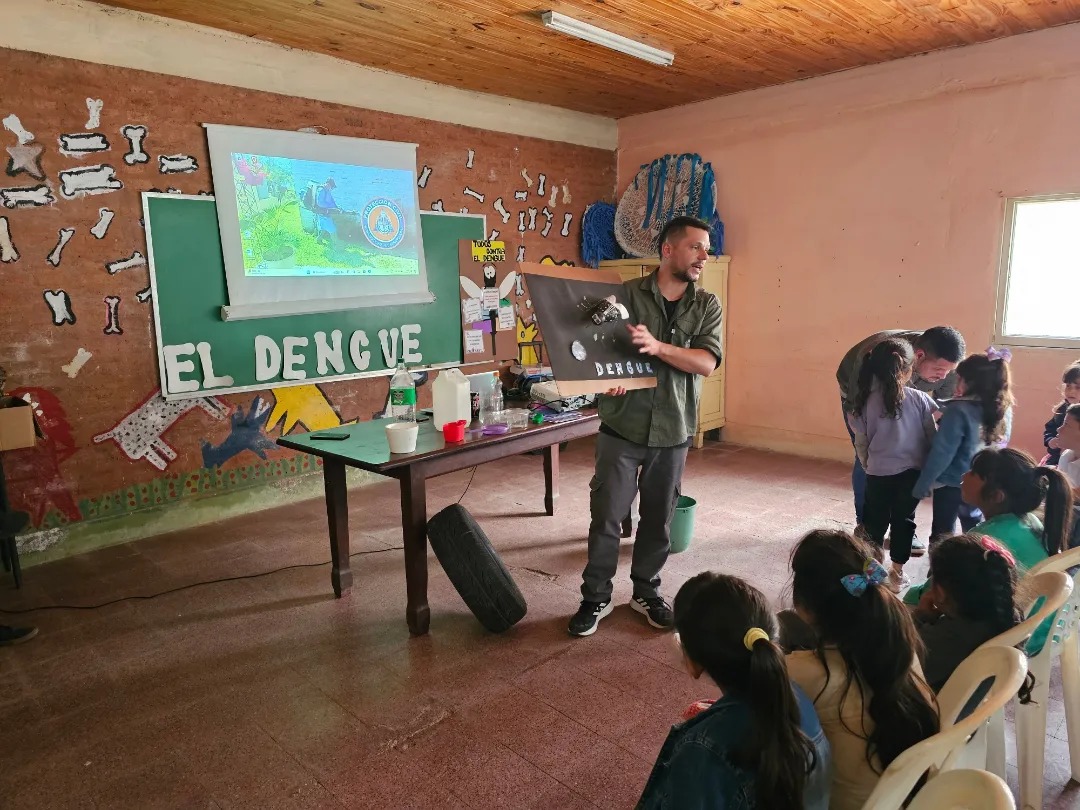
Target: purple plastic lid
496,430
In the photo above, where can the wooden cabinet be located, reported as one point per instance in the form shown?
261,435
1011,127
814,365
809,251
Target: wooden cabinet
714,279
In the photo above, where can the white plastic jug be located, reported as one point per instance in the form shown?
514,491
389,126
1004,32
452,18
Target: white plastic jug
450,397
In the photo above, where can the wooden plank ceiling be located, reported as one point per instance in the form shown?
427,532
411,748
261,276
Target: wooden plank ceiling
720,46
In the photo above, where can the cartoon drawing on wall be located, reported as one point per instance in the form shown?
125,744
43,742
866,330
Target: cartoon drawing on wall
142,296
463,210
72,369
14,125
498,206
177,164
469,160
438,206
521,221
476,195
135,136
88,180
532,219
566,194
489,324
304,405
547,225
82,144
246,432
526,178
567,217
93,113
61,242
136,259
112,316
554,196
60,305
521,253
519,285
8,252
541,183
521,196
425,175
105,218
25,159
551,260
528,351
493,235
34,473
139,435
26,197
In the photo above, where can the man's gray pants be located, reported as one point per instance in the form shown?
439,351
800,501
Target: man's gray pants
623,469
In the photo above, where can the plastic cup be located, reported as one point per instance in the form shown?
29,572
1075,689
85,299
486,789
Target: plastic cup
401,436
454,431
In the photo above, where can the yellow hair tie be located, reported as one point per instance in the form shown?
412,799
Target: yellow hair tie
753,636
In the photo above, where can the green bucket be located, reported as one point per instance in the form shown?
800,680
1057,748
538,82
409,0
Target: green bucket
682,524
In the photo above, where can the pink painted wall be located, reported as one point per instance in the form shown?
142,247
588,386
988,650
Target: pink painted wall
869,200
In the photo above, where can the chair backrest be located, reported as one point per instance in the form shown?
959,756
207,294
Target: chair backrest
1068,616
964,790
1007,667
1052,586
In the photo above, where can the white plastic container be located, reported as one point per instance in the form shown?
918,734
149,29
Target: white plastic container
450,396
401,436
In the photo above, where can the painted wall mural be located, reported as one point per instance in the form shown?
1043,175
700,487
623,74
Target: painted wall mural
80,143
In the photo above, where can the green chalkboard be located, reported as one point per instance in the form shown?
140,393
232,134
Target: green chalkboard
199,353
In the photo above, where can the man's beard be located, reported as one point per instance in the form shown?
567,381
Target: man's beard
683,275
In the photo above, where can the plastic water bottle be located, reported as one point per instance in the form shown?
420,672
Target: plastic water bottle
491,402
403,395
496,393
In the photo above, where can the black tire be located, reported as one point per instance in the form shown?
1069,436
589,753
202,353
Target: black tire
475,570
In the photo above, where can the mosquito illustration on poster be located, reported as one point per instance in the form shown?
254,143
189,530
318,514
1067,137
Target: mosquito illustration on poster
481,308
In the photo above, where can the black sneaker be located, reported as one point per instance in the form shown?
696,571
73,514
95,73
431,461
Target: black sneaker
15,635
583,623
918,547
656,610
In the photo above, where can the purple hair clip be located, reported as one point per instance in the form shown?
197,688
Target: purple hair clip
999,354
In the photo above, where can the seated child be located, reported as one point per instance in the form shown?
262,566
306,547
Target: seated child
971,600
1067,442
760,744
1070,393
863,673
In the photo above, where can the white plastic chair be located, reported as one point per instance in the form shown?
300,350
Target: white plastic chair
1008,667
987,748
1061,644
964,790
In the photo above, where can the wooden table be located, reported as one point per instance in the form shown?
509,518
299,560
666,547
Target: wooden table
366,448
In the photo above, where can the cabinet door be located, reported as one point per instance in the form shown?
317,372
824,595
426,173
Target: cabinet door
628,273
712,397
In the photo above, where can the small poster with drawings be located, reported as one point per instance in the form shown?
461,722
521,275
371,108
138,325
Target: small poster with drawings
584,317
488,285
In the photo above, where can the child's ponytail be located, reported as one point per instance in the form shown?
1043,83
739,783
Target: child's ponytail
986,377
890,363
727,627
1058,508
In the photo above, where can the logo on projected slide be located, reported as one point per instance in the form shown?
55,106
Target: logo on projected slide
384,225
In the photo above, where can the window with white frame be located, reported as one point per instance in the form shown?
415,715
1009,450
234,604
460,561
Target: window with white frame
1039,279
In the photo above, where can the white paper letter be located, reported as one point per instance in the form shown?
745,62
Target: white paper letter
209,380
267,358
329,353
293,359
389,350
360,359
174,367
409,344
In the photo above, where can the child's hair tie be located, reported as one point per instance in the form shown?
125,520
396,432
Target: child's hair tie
992,545
753,636
999,354
873,573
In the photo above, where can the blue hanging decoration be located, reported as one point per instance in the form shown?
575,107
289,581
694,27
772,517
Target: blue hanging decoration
598,234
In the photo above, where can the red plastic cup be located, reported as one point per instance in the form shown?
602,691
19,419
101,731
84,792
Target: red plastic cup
454,431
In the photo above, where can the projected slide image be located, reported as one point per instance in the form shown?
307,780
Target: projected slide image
308,218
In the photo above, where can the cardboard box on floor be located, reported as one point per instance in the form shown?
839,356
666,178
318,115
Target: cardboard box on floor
17,429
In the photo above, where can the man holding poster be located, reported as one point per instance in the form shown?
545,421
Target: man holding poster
645,433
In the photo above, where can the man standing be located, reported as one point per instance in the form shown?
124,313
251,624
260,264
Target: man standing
645,433
938,350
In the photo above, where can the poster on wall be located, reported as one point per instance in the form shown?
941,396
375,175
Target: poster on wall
584,316
487,282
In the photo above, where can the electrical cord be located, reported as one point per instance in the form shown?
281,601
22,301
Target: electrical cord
139,597
195,585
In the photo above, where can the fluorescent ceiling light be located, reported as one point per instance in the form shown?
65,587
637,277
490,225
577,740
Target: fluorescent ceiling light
590,33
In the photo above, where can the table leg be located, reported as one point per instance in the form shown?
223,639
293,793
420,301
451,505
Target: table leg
337,514
414,531
551,478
